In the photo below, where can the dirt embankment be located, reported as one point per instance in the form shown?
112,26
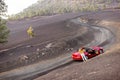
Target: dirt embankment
52,48
103,67
55,62
111,21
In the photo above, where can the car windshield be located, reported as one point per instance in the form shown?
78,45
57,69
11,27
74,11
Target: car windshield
89,50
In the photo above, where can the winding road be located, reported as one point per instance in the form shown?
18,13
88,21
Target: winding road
102,36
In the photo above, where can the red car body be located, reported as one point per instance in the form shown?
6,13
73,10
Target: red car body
96,51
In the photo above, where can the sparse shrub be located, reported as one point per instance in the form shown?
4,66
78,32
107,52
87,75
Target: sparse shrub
3,31
50,7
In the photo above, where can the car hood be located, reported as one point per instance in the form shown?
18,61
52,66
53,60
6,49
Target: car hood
76,53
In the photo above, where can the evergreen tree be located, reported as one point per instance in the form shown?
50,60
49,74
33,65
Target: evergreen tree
3,29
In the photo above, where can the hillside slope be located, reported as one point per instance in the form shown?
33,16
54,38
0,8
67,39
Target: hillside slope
103,67
51,7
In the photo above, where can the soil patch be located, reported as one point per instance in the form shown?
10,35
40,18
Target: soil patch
32,52
103,67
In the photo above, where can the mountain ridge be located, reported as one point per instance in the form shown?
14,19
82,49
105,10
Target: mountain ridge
51,7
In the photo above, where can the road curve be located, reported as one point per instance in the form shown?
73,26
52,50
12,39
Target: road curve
101,36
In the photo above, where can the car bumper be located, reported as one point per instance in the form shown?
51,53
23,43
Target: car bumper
76,58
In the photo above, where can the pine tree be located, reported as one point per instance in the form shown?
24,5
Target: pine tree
3,29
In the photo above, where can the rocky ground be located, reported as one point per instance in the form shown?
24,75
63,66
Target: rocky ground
103,67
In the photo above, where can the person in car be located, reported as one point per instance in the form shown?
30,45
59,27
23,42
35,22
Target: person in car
90,51
82,52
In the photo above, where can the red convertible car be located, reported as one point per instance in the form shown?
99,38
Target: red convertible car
89,53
